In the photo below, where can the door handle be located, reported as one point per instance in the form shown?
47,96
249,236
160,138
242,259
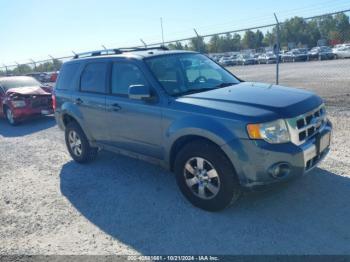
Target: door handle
78,101
116,107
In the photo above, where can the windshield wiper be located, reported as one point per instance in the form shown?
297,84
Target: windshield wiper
193,91
225,85
199,90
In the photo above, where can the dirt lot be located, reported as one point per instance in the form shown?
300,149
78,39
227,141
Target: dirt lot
116,205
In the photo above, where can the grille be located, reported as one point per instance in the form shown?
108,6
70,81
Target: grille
310,124
307,125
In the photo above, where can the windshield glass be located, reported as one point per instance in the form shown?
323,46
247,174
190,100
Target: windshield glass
17,82
182,74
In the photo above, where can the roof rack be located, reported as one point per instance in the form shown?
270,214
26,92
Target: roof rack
117,51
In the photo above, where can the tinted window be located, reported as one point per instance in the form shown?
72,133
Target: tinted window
125,75
67,76
93,78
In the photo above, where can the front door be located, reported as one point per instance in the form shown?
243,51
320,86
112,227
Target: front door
134,125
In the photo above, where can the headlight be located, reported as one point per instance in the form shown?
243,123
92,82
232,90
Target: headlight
18,103
275,132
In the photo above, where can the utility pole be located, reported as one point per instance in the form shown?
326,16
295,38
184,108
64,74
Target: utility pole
198,38
161,26
277,49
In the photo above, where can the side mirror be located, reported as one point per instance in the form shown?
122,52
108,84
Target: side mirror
139,92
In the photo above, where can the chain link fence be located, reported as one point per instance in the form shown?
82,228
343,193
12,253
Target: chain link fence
312,54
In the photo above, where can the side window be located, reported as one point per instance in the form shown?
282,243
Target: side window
125,75
93,78
66,77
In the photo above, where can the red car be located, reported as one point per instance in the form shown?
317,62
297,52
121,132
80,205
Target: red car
22,97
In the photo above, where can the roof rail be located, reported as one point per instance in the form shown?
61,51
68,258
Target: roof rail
117,51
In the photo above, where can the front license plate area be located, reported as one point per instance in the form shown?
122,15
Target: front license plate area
323,142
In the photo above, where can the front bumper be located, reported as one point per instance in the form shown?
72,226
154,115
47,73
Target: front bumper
253,159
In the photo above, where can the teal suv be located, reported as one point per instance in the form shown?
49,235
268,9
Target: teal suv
181,110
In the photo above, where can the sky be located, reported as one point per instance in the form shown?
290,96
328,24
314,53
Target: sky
35,29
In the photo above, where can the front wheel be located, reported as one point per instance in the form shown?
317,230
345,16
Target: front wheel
206,177
78,144
10,117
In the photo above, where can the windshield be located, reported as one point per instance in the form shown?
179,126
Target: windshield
182,74
17,82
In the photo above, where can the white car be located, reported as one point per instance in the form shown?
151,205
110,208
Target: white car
342,52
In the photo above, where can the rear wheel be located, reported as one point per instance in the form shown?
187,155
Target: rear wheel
78,145
206,177
10,117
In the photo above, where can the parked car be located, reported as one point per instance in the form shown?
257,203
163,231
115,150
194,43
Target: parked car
342,52
227,61
321,53
22,97
181,110
52,76
294,55
41,77
267,58
245,59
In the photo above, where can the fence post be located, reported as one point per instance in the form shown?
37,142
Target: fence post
277,49
6,70
198,38
144,43
34,63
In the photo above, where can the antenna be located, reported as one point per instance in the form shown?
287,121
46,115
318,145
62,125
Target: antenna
161,26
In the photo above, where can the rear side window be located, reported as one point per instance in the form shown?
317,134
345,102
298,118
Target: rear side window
67,76
93,78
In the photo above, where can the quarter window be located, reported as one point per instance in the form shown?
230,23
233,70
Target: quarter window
93,78
125,75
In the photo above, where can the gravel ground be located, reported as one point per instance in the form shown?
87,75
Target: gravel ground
330,79
117,205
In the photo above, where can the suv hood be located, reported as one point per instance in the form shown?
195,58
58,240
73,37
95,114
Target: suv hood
256,100
29,90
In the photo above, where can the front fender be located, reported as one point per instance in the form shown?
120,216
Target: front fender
202,126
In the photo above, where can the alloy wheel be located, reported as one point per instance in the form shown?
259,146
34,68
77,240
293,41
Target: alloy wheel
9,116
202,178
75,143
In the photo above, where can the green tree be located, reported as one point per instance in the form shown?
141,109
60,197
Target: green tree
248,41
269,39
198,44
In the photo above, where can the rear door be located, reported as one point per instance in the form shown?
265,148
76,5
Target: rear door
134,125
91,99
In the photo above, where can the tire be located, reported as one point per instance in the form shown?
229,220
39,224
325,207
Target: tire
219,174
335,56
9,117
78,144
